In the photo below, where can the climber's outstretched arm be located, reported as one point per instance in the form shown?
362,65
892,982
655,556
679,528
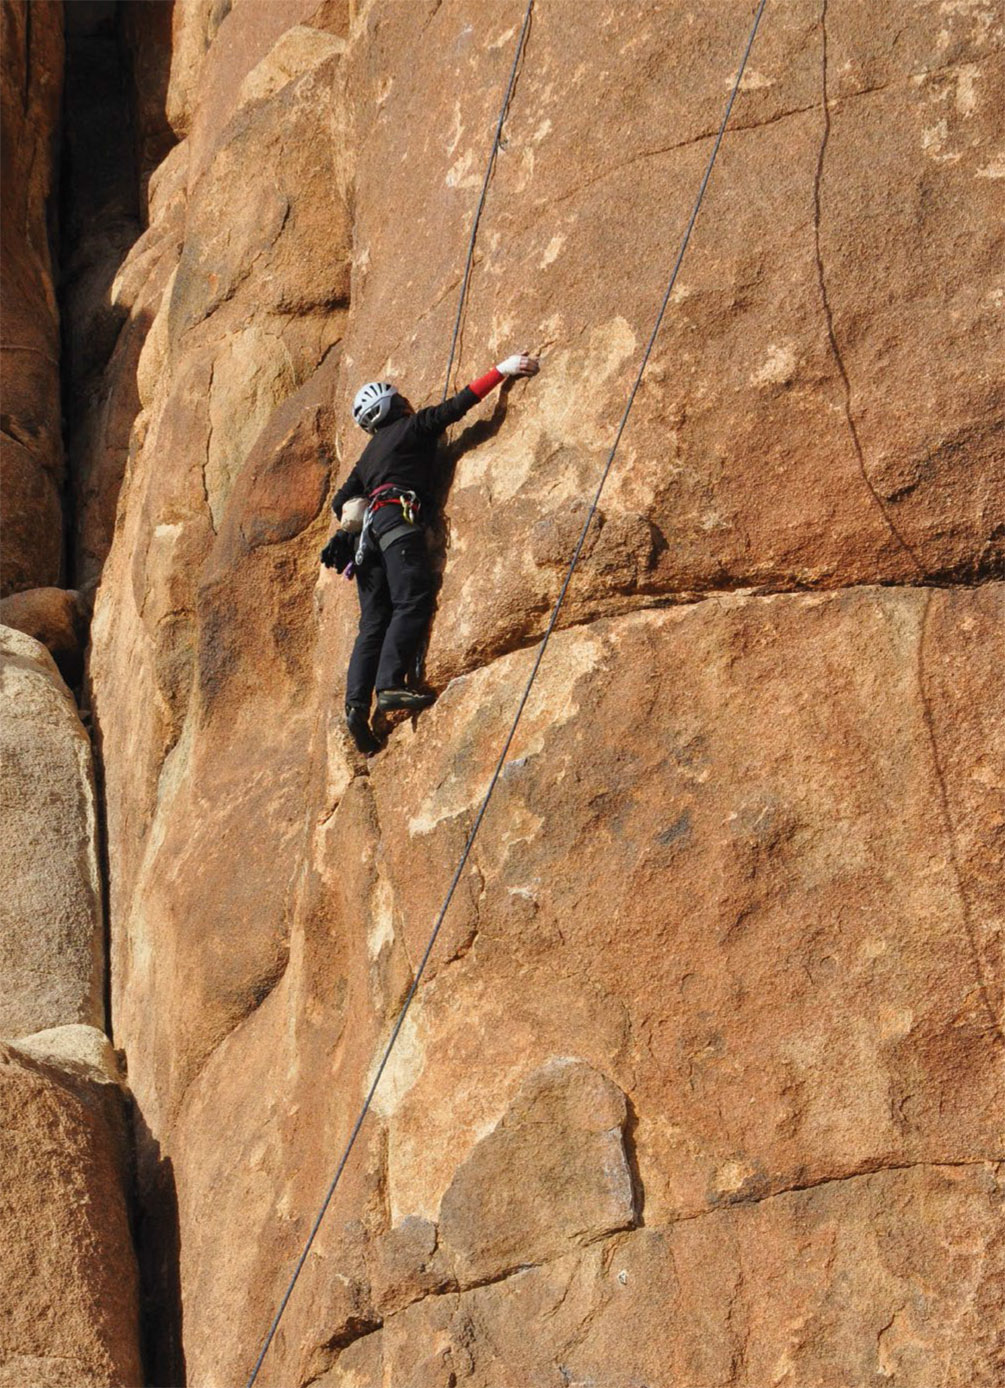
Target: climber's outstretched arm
435,418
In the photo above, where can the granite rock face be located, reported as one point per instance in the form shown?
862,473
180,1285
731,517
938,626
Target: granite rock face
704,1082
51,920
822,407
71,1297
723,1301
788,958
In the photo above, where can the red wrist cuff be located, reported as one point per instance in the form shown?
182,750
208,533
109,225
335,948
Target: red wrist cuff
485,383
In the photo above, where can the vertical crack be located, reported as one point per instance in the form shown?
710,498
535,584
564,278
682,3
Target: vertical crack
828,313
950,832
209,444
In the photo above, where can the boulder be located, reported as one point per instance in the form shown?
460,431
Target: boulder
51,921
71,1297
58,618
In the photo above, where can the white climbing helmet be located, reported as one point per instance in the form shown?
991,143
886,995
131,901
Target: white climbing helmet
372,404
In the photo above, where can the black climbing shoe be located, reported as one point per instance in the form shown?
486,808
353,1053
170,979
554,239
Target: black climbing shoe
358,723
412,699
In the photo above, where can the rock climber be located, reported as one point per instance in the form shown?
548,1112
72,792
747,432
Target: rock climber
393,574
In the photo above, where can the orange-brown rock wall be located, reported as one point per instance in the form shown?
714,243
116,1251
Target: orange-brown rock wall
70,1306
705,1082
71,1295
69,1311
31,84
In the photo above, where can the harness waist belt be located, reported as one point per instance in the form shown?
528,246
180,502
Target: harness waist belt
395,533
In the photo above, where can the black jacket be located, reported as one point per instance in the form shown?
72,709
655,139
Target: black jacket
403,450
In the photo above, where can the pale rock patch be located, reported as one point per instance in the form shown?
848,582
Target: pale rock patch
553,1172
51,924
299,50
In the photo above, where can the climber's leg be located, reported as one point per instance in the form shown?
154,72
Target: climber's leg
374,616
410,584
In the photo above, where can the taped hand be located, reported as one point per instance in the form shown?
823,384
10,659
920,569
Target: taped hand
519,365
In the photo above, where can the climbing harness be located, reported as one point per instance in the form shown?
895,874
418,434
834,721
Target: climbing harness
390,493
387,495
542,647
354,541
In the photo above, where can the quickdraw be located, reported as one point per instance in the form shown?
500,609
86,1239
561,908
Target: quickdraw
386,495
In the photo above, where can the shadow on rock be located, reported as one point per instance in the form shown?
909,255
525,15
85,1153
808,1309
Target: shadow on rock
439,529
158,1251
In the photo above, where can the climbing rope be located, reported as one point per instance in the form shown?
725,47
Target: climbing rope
553,621
496,140
504,108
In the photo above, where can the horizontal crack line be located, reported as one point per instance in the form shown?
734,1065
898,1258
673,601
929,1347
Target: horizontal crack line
678,599
453,1288
24,347
756,1199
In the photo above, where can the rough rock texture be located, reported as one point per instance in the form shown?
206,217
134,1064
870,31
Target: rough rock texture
31,465
824,403
70,1303
51,924
704,1085
58,618
723,1300
236,378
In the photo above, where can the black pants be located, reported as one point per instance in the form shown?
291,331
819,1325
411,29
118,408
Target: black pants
395,599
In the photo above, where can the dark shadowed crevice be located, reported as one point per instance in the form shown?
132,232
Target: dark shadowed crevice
157,1236
117,59
109,136
114,132
99,219
629,1138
